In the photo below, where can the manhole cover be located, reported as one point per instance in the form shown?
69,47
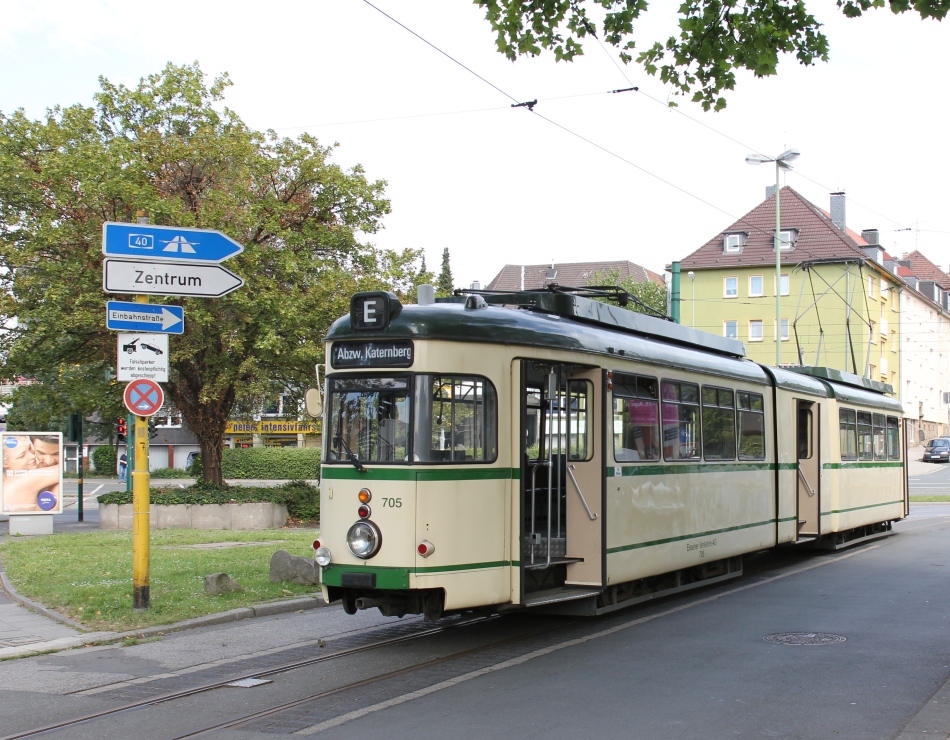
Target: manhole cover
804,638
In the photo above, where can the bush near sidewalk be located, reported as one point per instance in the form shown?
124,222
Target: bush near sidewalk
267,463
301,498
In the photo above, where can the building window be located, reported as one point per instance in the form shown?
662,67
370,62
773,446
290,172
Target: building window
731,287
787,239
755,330
731,329
784,283
755,285
870,286
734,241
784,330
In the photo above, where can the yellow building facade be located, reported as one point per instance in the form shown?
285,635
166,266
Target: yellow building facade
839,305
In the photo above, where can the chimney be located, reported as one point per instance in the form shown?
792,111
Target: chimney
871,236
769,191
838,212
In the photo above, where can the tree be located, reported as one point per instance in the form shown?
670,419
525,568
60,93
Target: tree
168,146
649,296
445,285
715,36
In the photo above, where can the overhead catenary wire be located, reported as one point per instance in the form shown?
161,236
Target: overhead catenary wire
531,107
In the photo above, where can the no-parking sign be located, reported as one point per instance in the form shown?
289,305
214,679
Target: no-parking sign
143,397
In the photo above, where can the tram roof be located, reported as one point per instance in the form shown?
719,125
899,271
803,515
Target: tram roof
565,322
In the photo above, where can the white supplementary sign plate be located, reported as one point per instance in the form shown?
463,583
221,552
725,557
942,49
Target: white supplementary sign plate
142,356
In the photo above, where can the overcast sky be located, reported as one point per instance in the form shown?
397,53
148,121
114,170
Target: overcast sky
589,175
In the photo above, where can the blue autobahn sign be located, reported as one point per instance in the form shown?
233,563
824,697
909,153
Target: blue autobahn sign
167,243
145,317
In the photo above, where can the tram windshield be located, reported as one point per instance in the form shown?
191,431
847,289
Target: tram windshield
405,419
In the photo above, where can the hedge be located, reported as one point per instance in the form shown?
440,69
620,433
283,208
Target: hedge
104,459
267,463
302,498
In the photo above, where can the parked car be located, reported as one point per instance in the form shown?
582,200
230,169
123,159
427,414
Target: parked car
937,450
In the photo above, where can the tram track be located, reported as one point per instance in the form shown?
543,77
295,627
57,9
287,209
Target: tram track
191,691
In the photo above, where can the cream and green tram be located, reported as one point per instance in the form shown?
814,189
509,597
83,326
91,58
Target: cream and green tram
543,450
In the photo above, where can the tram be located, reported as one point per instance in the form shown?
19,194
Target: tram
544,450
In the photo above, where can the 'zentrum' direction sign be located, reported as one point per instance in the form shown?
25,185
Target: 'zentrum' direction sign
167,278
166,243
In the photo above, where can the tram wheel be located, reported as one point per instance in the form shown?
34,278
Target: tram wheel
349,604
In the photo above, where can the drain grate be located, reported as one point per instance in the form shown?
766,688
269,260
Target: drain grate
804,638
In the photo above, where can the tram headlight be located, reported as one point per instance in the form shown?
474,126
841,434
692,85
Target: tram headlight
322,556
364,539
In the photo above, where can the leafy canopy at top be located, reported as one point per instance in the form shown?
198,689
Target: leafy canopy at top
715,36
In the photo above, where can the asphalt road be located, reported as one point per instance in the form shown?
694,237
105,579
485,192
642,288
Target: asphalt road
695,665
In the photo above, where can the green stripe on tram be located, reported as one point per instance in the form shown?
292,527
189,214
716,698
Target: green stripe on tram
861,508
848,465
668,540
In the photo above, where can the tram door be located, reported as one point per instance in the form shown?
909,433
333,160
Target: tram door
809,469
562,476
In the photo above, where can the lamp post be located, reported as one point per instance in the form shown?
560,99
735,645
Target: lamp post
692,296
781,163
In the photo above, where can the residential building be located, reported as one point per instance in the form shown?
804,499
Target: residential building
840,307
574,274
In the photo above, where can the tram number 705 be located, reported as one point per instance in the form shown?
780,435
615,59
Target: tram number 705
392,503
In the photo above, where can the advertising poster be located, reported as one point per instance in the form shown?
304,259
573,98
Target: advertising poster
31,473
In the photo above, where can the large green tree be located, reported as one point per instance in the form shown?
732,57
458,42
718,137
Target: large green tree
715,37
171,148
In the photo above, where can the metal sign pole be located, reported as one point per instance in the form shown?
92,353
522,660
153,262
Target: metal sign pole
141,518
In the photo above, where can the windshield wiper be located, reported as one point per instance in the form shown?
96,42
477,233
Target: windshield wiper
338,441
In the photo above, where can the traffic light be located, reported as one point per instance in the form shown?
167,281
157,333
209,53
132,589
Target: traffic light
74,427
152,431
122,429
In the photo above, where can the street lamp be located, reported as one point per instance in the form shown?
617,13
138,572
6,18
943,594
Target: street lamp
781,163
692,295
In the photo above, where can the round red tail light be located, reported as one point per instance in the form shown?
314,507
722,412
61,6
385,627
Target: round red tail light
316,544
364,511
426,548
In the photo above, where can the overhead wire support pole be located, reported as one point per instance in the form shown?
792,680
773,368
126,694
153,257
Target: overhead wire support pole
141,517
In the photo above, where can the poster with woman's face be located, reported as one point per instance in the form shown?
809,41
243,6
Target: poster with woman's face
31,473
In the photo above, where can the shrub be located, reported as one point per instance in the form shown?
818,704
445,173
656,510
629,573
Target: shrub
302,498
271,463
169,473
104,459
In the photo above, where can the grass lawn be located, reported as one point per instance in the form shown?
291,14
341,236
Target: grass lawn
88,577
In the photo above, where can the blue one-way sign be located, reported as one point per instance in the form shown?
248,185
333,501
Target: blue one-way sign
167,243
145,317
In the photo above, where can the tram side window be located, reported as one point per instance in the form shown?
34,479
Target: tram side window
680,420
880,438
751,425
848,433
719,423
864,436
636,418
456,419
893,438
